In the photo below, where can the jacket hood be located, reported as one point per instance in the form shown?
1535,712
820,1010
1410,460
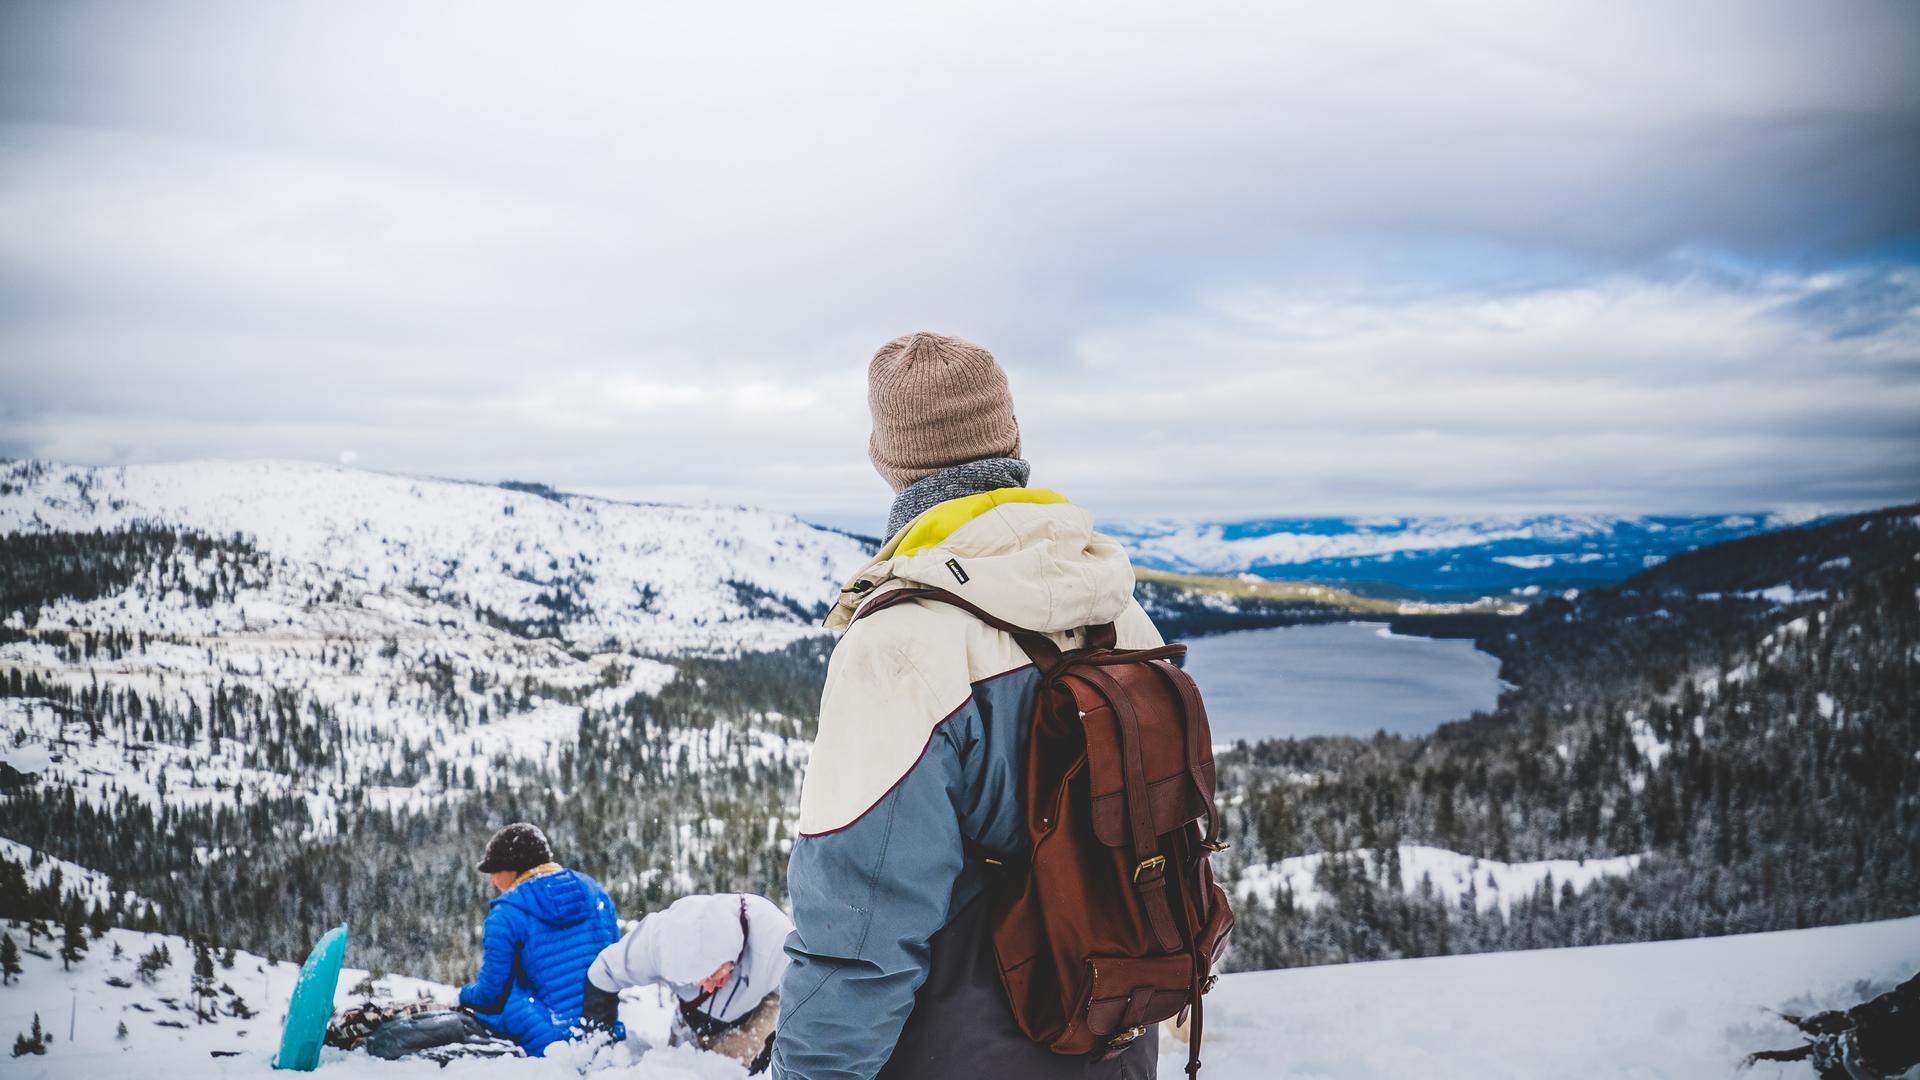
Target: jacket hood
557,899
1023,555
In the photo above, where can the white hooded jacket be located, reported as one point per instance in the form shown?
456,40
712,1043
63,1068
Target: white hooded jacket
689,940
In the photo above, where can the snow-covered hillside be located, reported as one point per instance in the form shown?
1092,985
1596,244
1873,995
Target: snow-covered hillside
1679,1009
619,576
1449,875
317,637
64,878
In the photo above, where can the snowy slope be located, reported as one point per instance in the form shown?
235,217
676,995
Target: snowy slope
617,574
1681,1009
63,877
165,1038
1495,885
427,635
1672,1009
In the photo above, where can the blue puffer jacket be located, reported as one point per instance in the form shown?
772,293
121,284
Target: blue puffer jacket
541,936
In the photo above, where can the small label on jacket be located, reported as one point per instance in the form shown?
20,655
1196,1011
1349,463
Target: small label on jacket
959,575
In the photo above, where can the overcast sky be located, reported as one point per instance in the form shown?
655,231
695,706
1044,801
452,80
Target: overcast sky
1239,260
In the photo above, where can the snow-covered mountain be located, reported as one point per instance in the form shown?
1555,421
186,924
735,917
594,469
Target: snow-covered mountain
649,579
1674,1009
216,650
1444,557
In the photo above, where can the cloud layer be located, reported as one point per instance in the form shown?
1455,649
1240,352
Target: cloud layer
1240,260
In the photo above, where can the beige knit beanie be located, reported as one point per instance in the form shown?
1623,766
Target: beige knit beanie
937,402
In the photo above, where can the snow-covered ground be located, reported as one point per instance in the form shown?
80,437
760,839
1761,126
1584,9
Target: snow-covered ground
166,1040
1677,1009
1495,885
1673,1009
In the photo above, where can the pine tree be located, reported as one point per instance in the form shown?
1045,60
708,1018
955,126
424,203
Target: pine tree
151,963
121,1031
9,960
34,1044
14,894
73,942
203,984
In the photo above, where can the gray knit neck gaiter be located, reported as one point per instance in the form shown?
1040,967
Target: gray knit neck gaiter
957,481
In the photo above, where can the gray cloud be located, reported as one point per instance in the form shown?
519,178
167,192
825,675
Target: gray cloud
1426,258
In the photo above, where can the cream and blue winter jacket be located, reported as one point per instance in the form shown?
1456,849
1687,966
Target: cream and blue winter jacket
915,782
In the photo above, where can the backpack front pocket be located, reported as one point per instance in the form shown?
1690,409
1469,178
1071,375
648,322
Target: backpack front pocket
1127,992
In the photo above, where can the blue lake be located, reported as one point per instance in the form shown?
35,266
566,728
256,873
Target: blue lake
1337,679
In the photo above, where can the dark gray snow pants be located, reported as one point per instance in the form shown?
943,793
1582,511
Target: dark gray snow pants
962,1028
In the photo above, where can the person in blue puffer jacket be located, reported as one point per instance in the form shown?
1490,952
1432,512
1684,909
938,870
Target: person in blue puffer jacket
542,932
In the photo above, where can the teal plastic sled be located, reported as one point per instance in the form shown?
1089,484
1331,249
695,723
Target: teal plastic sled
312,1005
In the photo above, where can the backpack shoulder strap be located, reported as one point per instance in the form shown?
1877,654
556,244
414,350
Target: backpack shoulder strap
1038,647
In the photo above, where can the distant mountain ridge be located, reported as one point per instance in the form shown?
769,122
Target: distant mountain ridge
539,563
1438,558
699,567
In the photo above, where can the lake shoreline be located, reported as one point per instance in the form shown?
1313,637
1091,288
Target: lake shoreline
1350,677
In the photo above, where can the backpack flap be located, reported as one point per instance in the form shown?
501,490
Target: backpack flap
1172,795
1129,992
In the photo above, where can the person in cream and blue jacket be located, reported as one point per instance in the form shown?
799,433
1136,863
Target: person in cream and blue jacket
915,778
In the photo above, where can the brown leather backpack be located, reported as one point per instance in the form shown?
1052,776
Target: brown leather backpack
1114,921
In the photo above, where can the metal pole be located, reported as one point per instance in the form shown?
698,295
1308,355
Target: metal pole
72,1015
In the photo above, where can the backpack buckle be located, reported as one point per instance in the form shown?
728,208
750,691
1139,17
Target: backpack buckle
1124,1039
1215,846
1157,862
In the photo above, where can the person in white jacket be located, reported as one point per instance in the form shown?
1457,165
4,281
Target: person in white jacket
722,955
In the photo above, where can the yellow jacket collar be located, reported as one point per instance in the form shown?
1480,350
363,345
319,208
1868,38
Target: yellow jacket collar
1025,555
539,871
942,520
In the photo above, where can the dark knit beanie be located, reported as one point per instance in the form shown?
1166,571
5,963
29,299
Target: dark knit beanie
519,847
